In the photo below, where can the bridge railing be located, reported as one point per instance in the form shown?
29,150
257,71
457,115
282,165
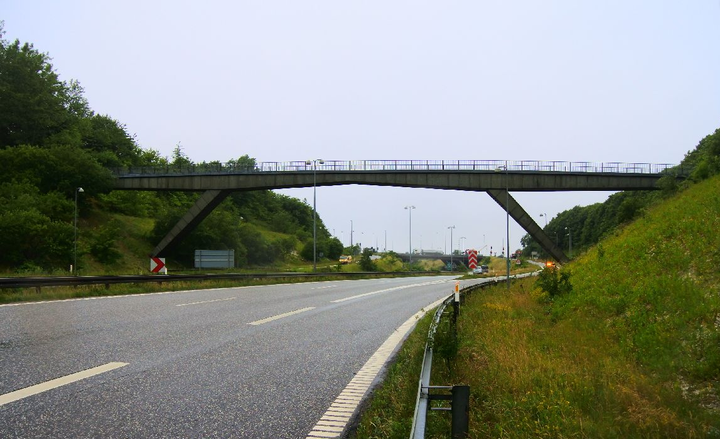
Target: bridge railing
401,165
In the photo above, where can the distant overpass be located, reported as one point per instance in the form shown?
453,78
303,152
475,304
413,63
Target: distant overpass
496,177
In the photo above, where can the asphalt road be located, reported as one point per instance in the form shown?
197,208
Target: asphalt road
252,362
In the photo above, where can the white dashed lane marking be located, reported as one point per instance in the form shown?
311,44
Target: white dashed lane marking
206,301
402,287
281,316
57,382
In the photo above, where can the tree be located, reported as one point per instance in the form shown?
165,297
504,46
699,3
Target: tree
366,263
333,248
103,244
109,138
34,103
34,227
179,158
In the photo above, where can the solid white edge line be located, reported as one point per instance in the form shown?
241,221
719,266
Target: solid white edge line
58,382
369,373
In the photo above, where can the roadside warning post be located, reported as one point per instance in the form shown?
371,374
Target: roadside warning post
472,259
456,305
157,265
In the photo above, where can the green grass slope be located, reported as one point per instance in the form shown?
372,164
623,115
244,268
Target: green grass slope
655,285
633,351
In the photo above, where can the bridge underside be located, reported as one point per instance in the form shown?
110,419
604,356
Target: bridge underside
216,187
516,181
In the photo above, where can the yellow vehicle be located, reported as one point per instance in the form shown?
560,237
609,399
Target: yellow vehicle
345,259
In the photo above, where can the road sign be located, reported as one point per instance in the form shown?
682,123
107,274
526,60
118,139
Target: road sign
472,259
157,264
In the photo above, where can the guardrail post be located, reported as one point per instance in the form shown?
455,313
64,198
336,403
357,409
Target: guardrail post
460,412
456,306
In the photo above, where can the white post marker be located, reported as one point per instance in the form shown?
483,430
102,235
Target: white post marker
457,291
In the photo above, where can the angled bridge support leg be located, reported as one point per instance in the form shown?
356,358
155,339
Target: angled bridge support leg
207,202
526,222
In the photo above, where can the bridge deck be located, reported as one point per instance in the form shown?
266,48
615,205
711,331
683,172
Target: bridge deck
454,180
400,165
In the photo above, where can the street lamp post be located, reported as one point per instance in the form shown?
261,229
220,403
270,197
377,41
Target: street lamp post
451,246
569,234
77,190
507,219
314,162
545,215
410,209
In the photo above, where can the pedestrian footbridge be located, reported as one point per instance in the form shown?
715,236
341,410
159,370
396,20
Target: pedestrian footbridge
496,177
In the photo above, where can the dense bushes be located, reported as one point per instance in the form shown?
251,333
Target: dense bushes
554,282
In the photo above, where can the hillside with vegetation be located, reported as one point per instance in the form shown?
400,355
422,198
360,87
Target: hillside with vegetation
589,224
52,143
623,342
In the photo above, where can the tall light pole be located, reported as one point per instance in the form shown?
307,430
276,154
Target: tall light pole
545,215
77,190
410,209
507,219
314,162
462,242
569,234
451,246
352,248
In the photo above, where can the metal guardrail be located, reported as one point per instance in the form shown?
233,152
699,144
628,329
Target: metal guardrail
422,401
38,282
399,165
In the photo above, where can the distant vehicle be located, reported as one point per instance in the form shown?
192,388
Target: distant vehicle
345,259
481,269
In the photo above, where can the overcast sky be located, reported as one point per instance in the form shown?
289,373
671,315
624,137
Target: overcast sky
611,80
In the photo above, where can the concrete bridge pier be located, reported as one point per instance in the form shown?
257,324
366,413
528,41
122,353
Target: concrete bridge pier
526,222
207,202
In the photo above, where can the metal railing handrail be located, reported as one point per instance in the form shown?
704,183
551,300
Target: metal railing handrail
401,166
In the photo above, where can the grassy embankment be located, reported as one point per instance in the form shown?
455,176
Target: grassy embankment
632,351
